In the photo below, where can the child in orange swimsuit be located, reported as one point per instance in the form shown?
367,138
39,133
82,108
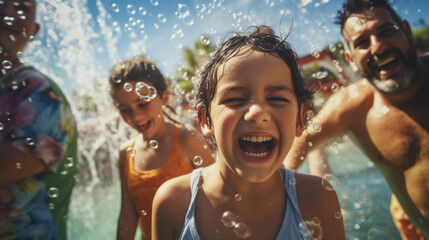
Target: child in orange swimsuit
161,150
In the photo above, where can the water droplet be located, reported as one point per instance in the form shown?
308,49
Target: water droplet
6,64
375,233
205,40
338,215
14,85
29,141
228,219
51,206
316,221
201,180
18,165
321,75
144,91
330,182
144,212
317,127
128,87
322,26
241,230
53,192
333,147
303,229
1,126
188,20
183,9
21,14
131,152
154,2
142,11
310,144
153,144
19,56
115,7
131,10
237,197
335,87
315,53
8,20
162,18
69,162
198,160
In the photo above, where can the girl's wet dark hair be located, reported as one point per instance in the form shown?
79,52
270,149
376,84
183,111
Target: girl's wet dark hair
138,69
260,39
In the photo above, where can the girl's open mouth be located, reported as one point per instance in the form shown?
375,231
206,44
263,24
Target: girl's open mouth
256,148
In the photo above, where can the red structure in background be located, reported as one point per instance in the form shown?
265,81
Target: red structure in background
325,71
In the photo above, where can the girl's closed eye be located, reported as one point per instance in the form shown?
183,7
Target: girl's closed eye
124,110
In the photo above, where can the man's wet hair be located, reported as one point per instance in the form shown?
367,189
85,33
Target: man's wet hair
261,39
351,7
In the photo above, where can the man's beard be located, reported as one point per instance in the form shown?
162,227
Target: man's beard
398,82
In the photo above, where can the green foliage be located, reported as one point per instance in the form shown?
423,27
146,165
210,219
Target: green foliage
186,85
194,59
422,38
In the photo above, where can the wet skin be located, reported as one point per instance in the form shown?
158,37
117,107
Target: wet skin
388,120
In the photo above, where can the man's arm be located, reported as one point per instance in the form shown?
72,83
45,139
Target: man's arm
334,120
15,164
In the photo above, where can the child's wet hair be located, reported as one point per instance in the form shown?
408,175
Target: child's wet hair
136,69
139,69
260,39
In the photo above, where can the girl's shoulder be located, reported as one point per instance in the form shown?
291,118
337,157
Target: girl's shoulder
317,199
171,203
124,149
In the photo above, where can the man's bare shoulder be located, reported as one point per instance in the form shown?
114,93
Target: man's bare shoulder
351,98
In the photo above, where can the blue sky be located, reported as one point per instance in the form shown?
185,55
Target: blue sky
80,40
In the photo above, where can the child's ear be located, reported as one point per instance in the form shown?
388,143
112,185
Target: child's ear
300,120
202,119
35,29
165,96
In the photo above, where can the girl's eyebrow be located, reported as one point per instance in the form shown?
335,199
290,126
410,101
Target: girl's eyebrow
227,90
279,88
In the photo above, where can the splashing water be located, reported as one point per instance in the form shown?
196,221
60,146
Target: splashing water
80,40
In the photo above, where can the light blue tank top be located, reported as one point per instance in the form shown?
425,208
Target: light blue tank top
293,226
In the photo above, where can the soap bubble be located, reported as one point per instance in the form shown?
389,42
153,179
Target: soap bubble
241,230
128,87
53,192
228,219
115,7
131,10
330,182
198,160
153,144
6,64
237,197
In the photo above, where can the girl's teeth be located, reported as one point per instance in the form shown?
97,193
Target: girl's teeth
256,138
260,155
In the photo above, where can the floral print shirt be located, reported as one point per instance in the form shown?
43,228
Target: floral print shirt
36,118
